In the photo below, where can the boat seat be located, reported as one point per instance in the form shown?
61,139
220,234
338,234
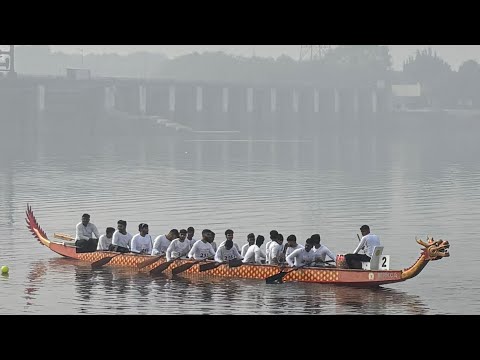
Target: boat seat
374,262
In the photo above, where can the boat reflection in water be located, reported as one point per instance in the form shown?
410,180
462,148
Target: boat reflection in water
112,290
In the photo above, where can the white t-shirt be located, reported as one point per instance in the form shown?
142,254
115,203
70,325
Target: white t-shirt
300,257
234,245
290,249
226,255
254,255
276,250
141,244
103,243
121,240
201,250
368,242
267,251
244,249
193,241
178,248
85,232
160,245
322,252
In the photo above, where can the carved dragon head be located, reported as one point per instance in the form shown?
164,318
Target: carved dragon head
434,249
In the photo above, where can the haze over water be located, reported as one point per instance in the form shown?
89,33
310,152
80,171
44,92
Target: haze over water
405,178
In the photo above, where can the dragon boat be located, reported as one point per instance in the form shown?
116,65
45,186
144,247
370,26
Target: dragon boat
432,250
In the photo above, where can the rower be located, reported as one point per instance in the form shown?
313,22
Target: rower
292,245
142,242
254,254
227,252
83,235
367,244
212,241
276,251
106,239
121,239
302,256
273,237
321,251
250,242
162,242
178,247
229,236
202,249
190,238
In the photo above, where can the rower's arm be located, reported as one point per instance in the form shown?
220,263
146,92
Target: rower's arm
360,245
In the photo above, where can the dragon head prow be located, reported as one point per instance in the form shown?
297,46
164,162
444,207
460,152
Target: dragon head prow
434,249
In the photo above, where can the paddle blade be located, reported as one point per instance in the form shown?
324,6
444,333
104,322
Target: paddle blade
101,262
235,263
160,268
183,268
209,266
151,261
276,279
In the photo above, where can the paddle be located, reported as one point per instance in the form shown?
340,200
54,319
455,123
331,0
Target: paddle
277,278
63,237
184,267
160,268
99,263
151,261
235,263
231,264
328,262
210,266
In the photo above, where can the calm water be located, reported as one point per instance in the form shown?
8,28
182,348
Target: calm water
405,178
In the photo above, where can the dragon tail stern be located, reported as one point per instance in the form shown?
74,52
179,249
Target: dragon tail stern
35,229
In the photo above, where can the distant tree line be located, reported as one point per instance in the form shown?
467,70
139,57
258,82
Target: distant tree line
345,65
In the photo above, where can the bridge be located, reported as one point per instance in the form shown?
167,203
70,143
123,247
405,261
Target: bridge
191,105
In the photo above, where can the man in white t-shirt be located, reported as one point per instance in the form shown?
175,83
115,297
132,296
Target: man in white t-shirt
321,251
203,249
250,242
85,242
142,242
178,247
273,238
292,245
227,252
302,256
276,255
121,239
229,236
367,243
190,238
254,254
105,240
162,242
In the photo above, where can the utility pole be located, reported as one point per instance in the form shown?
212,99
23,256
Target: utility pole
12,60
81,51
313,52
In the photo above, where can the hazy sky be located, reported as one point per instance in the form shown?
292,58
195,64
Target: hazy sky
453,54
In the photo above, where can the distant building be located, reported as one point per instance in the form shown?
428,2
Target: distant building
78,74
407,96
